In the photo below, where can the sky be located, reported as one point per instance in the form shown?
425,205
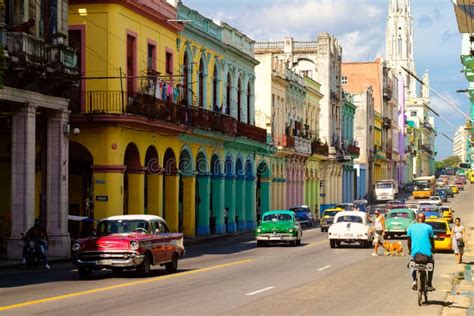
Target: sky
360,27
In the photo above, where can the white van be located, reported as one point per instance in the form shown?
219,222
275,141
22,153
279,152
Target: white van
386,190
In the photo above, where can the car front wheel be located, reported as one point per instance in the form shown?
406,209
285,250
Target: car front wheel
144,268
172,267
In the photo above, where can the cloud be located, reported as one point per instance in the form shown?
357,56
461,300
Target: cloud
305,19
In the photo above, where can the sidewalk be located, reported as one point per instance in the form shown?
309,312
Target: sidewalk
460,300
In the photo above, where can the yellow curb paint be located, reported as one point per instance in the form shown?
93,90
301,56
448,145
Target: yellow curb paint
117,286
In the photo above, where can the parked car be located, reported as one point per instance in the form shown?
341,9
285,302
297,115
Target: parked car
328,218
447,213
128,242
279,226
303,215
397,222
442,194
413,206
350,227
442,234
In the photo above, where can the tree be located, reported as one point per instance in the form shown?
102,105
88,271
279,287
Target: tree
450,162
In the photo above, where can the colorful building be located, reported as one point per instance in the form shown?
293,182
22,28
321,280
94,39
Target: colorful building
159,126
351,150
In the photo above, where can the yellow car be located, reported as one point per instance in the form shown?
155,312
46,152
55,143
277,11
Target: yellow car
447,213
454,188
328,218
442,234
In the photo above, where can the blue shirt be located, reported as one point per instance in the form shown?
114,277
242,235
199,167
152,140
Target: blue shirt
420,234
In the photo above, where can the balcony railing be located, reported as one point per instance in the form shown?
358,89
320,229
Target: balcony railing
387,122
319,148
117,102
427,149
25,49
303,145
353,150
62,59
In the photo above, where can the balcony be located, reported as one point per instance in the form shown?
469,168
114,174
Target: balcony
387,122
319,148
25,51
61,60
119,103
427,149
353,150
388,152
303,145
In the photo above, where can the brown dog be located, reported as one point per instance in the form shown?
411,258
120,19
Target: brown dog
392,249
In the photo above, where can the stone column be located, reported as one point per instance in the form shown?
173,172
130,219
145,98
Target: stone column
172,201
189,205
57,185
155,194
108,190
203,216
136,190
218,202
250,208
265,195
240,204
22,178
230,198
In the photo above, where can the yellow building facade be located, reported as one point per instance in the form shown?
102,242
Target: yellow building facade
151,133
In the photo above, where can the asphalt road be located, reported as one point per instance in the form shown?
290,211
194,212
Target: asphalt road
233,277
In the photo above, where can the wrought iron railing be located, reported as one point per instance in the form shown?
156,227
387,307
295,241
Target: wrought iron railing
319,148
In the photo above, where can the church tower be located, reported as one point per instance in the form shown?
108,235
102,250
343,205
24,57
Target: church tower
399,42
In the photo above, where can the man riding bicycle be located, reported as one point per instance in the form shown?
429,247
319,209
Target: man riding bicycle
420,240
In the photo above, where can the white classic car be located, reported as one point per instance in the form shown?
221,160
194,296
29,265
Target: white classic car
350,227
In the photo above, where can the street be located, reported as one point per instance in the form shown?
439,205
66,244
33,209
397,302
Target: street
233,277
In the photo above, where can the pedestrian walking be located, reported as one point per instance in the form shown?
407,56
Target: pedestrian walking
458,240
379,231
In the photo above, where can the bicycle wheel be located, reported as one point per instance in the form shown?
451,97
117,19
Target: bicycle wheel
421,286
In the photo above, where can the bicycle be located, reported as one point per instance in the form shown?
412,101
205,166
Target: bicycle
421,276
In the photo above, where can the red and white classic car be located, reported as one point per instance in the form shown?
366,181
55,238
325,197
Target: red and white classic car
128,242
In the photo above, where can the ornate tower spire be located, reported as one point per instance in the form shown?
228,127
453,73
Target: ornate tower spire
399,42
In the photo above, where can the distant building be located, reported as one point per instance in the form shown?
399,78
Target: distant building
460,143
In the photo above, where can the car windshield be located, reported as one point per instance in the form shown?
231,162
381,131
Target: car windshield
445,209
330,213
438,226
384,185
276,217
107,227
349,219
399,214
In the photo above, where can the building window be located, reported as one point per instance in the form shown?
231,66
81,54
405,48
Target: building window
151,57
344,80
186,78
228,91
169,63
214,88
239,99
248,104
307,73
201,84
413,113
131,64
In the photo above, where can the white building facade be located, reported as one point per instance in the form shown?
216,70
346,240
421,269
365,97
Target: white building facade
460,143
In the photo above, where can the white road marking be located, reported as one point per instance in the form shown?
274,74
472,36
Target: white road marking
324,268
260,291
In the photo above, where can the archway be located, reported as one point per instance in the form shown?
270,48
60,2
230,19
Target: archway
133,182
187,187
153,183
262,192
81,189
202,194
229,204
170,190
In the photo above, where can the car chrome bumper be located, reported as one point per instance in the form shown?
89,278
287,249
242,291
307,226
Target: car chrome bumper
132,261
276,238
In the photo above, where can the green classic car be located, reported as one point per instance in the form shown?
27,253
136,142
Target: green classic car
278,226
397,221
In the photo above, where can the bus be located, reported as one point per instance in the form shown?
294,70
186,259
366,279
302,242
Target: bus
424,187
